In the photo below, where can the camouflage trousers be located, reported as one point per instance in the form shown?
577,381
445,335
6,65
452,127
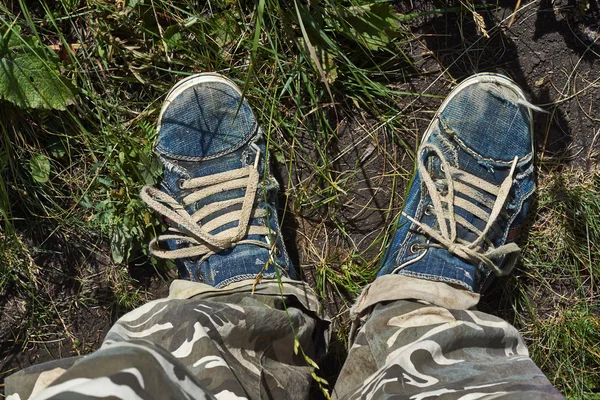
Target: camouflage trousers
411,339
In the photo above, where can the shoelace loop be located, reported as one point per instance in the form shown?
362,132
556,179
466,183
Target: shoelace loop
446,234
200,242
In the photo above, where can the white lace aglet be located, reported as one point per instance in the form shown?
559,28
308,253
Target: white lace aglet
514,165
257,158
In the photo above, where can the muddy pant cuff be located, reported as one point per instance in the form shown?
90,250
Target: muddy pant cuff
400,287
181,289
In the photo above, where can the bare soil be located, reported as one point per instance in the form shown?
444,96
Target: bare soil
73,303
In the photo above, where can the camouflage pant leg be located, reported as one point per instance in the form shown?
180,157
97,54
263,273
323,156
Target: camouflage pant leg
230,344
199,343
435,347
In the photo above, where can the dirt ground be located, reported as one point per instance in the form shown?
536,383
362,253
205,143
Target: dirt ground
84,305
550,50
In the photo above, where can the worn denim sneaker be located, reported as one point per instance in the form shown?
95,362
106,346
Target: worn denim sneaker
218,194
472,189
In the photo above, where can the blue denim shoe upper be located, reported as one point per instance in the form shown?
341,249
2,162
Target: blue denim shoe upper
218,194
472,189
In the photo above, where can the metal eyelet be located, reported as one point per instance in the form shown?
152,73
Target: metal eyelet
180,183
278,252
415,247
428,210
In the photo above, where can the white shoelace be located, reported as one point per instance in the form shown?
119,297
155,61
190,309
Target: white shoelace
459,181
200,243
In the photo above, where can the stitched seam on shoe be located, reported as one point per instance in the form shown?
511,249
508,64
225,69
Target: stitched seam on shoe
177,169
402,258
406,263
477,155
517,212
437,278
524,174
468,149
447,143
404,244
241,278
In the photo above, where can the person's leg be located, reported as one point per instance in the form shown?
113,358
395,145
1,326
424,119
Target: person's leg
435,348
419,334
201,341
243,326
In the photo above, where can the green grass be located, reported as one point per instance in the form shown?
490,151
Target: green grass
558,299
69,179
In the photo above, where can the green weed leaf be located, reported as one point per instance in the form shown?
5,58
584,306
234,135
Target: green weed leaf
134,3
39,165
173,35
371,25
279,157
119,246
29,75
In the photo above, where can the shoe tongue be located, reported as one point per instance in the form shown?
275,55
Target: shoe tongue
212,167
224,163
175,170
485,173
